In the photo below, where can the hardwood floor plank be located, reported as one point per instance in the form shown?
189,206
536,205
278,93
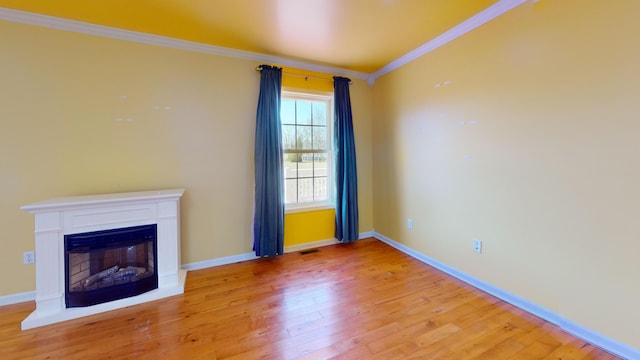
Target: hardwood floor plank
364,300
535,350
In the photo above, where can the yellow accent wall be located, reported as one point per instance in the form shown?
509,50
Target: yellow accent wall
318,225
306,227
302,80
309,226
86,115
524,134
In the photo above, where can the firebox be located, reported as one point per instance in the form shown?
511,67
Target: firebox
103,266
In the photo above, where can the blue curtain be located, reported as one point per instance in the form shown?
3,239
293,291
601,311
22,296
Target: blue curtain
345,164
268,220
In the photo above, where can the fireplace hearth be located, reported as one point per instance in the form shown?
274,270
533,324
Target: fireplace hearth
104,252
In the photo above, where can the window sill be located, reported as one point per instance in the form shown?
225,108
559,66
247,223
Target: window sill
310,208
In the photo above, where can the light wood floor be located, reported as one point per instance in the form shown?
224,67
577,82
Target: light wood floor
359,301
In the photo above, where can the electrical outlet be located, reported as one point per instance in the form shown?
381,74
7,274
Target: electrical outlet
409,224
477,245
28,257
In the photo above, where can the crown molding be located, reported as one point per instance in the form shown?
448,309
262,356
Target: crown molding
464,27
52,22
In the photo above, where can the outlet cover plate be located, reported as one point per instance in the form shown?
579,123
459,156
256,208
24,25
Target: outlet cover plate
477,245
28,257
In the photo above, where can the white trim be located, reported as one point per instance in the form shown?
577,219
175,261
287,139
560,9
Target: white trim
570,327
304,209
52,22
198,265
367,234
316,244
311,245
464,27
327,100
17,298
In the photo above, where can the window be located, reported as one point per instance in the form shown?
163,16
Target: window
306,144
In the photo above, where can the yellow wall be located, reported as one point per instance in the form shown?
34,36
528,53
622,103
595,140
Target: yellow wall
295,79
305,227
60,98
548,176
532,148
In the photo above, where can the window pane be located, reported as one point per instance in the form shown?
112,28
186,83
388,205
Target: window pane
288,137
288,111
303,112
319,165
304,138
305,190
319,138
320,189
319,113
290,166
305,129
305,166
290,190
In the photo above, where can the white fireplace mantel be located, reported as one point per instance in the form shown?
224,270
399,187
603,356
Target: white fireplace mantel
58,217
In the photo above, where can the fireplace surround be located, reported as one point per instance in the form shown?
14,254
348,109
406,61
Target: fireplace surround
73,217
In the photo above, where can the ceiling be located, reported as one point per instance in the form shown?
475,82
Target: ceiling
356,35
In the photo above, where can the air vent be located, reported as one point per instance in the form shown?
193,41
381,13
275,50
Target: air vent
309,251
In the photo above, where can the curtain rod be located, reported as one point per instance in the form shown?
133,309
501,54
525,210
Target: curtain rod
306,77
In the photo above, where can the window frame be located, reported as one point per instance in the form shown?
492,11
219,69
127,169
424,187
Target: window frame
327,98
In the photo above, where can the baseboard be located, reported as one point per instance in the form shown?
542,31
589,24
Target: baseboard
367,234
579,331
594,338
17,298
219,261
311,245
31,295
251,256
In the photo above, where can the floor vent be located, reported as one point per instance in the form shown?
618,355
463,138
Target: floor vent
309,251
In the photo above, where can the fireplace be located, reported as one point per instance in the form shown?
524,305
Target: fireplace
104,252
102,266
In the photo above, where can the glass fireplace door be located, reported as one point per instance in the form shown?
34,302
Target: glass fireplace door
108,265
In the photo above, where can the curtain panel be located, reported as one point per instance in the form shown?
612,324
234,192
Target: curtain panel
346,173
268,221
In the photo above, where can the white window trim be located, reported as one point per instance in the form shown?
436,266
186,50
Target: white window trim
316,207
329,203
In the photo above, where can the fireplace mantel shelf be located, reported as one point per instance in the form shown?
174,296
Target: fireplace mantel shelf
55,218
102,199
